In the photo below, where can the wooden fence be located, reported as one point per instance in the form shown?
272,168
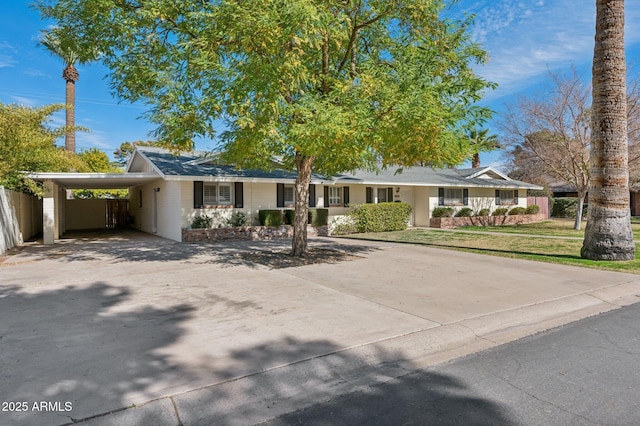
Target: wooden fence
542,202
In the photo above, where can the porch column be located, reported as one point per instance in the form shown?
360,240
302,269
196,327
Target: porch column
49,213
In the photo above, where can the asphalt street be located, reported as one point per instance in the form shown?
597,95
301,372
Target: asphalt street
584,373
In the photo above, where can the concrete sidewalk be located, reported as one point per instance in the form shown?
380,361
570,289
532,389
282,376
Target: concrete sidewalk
138,330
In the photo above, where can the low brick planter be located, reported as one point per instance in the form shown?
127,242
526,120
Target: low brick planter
456,222
247,233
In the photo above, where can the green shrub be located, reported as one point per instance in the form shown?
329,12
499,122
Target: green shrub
532,209
500,211
442,212
237,219
289,216
270,217
318,217
566,207
201,222
465,212
516,211
381,217
484,212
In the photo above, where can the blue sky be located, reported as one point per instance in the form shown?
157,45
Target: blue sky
525,39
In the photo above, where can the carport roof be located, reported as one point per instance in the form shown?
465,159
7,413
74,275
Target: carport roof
95,180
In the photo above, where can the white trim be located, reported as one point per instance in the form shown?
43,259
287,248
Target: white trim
145,158
484,170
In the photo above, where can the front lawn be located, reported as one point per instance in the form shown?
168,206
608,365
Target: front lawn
539,245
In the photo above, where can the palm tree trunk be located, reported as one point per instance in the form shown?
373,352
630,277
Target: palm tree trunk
70,118
304,166
475,160
608,234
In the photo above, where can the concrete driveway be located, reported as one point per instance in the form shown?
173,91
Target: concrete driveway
135,329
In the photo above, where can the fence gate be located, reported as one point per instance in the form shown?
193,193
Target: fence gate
117,213
542,202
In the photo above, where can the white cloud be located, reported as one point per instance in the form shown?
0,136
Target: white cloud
526,39
20,100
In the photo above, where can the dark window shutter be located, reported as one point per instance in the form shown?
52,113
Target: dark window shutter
239,195
369,191
198,200
312,195
497,197
345,195
465,197
280,195
326,196
515,196
390,195
441,196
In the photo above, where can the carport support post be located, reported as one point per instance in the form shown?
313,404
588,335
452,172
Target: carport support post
49,213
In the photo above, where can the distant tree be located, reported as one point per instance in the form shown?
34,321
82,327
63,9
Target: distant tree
608,235
27,144
123,153
549,136
481,141
60,44
96,160
324,85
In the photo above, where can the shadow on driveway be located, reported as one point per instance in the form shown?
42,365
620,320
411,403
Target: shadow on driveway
92,347
135,246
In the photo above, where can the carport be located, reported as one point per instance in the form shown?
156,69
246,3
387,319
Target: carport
55,185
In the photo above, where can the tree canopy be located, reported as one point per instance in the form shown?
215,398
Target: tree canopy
324,85
27,144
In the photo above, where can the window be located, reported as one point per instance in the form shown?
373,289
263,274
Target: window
506,197
385,195
335,196
453,197
289,195
216,194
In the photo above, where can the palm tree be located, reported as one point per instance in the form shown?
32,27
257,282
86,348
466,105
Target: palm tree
608,234
481,141
59,44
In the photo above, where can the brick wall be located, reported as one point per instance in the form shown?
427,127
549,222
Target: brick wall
455,222
246,233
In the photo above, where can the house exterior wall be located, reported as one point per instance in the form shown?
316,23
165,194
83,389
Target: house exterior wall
479,198
154,208
421,210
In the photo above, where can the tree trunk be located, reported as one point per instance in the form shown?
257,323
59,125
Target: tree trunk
578,222
475,160
304,166
70,99
608,234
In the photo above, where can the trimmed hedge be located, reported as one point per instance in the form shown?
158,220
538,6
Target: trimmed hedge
381,217
442,212
318,217
484,212
270,217
500,211
532,209
465,212
288,216
517,211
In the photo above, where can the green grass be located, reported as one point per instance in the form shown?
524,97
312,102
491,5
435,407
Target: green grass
555,250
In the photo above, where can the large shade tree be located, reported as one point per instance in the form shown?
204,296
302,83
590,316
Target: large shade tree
59,43
27,144
608,234
322,85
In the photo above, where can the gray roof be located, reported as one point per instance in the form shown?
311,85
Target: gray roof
427,176
195,165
